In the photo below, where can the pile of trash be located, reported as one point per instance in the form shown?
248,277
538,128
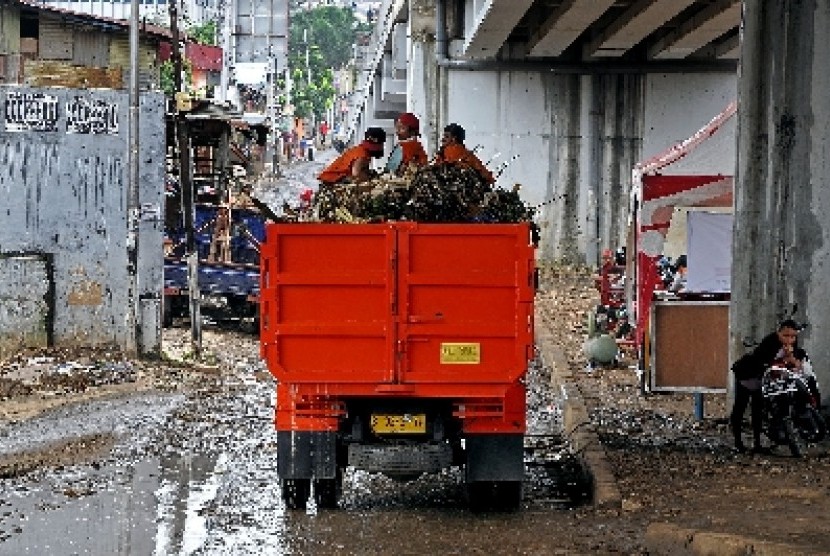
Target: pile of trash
440,193
63,371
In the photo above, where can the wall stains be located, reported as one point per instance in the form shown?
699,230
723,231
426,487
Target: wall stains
25,301
63,194
86,293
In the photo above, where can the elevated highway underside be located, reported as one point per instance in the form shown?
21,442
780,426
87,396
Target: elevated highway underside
595,31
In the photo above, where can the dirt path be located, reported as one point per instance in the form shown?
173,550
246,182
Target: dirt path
678,476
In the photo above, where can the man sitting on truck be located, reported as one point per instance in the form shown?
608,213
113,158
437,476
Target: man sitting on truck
355,164
408,152
453,151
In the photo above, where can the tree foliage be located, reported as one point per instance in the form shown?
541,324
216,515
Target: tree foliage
331,29
204,33
167,76
320,40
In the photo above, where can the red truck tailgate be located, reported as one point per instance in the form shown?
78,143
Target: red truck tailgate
397,303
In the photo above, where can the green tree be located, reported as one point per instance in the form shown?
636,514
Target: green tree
167,76
332,29
320,40
204,33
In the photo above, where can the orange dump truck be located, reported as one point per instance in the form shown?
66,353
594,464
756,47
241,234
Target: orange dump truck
398,348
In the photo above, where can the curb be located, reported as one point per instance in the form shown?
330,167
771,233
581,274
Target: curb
665,538
192,364
576,424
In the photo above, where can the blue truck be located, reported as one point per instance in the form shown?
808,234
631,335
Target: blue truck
229,289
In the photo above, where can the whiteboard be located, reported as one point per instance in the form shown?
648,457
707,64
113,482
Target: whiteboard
709,252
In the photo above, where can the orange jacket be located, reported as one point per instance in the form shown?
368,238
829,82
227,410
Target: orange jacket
459,154
340,168
413,153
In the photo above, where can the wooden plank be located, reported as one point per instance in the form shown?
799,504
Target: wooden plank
42,73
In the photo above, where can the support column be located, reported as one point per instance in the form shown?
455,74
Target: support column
589,178
422,71
781,254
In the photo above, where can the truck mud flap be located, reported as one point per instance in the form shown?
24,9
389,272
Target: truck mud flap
306,454
495,457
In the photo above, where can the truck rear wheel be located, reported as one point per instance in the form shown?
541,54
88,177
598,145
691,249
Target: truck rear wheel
327,491
494,496
295,493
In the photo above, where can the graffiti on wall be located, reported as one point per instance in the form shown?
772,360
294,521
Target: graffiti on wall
31,112
41,112
91,116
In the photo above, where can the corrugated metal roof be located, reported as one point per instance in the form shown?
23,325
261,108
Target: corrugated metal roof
204,57
98,21
201,56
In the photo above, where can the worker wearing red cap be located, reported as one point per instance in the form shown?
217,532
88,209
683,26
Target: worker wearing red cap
408,152
453,151
355,164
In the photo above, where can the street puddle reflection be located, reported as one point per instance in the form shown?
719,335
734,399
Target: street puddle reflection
173,505
186,492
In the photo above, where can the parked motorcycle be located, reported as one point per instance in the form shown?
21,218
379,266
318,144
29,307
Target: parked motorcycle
791,413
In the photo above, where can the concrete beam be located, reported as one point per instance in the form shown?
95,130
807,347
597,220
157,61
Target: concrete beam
729,49
493,23
639,21
711,23
563,27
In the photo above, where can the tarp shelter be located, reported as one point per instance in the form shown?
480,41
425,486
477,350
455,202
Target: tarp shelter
654,195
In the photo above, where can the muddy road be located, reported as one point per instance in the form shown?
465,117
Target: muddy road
110,457
182,460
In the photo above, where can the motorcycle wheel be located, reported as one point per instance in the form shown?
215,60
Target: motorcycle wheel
812,425
794,440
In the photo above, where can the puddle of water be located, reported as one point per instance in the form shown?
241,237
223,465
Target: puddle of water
165,506
48,519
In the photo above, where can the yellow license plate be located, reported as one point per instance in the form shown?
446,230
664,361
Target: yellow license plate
399,424
460,354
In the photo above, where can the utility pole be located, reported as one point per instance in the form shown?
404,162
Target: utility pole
271,111
133,324
186,189
225,43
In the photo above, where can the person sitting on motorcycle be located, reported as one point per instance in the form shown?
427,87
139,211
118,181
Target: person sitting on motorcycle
749,370
800,362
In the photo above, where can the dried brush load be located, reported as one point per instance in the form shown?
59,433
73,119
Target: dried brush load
441,193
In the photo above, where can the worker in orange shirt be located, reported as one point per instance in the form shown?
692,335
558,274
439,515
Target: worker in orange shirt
408,152
355,164
453,151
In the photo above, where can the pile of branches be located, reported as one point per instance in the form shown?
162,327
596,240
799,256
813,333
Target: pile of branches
440,193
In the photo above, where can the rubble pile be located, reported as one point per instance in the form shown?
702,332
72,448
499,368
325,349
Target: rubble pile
63,370
440,193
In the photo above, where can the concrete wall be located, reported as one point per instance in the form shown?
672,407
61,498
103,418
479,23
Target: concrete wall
569,140
679,104
572,140
781,242
63,199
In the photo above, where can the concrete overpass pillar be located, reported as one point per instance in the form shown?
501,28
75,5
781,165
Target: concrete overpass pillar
595,139
781,240
422,79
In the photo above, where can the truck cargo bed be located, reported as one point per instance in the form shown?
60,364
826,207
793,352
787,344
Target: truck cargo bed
418,309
